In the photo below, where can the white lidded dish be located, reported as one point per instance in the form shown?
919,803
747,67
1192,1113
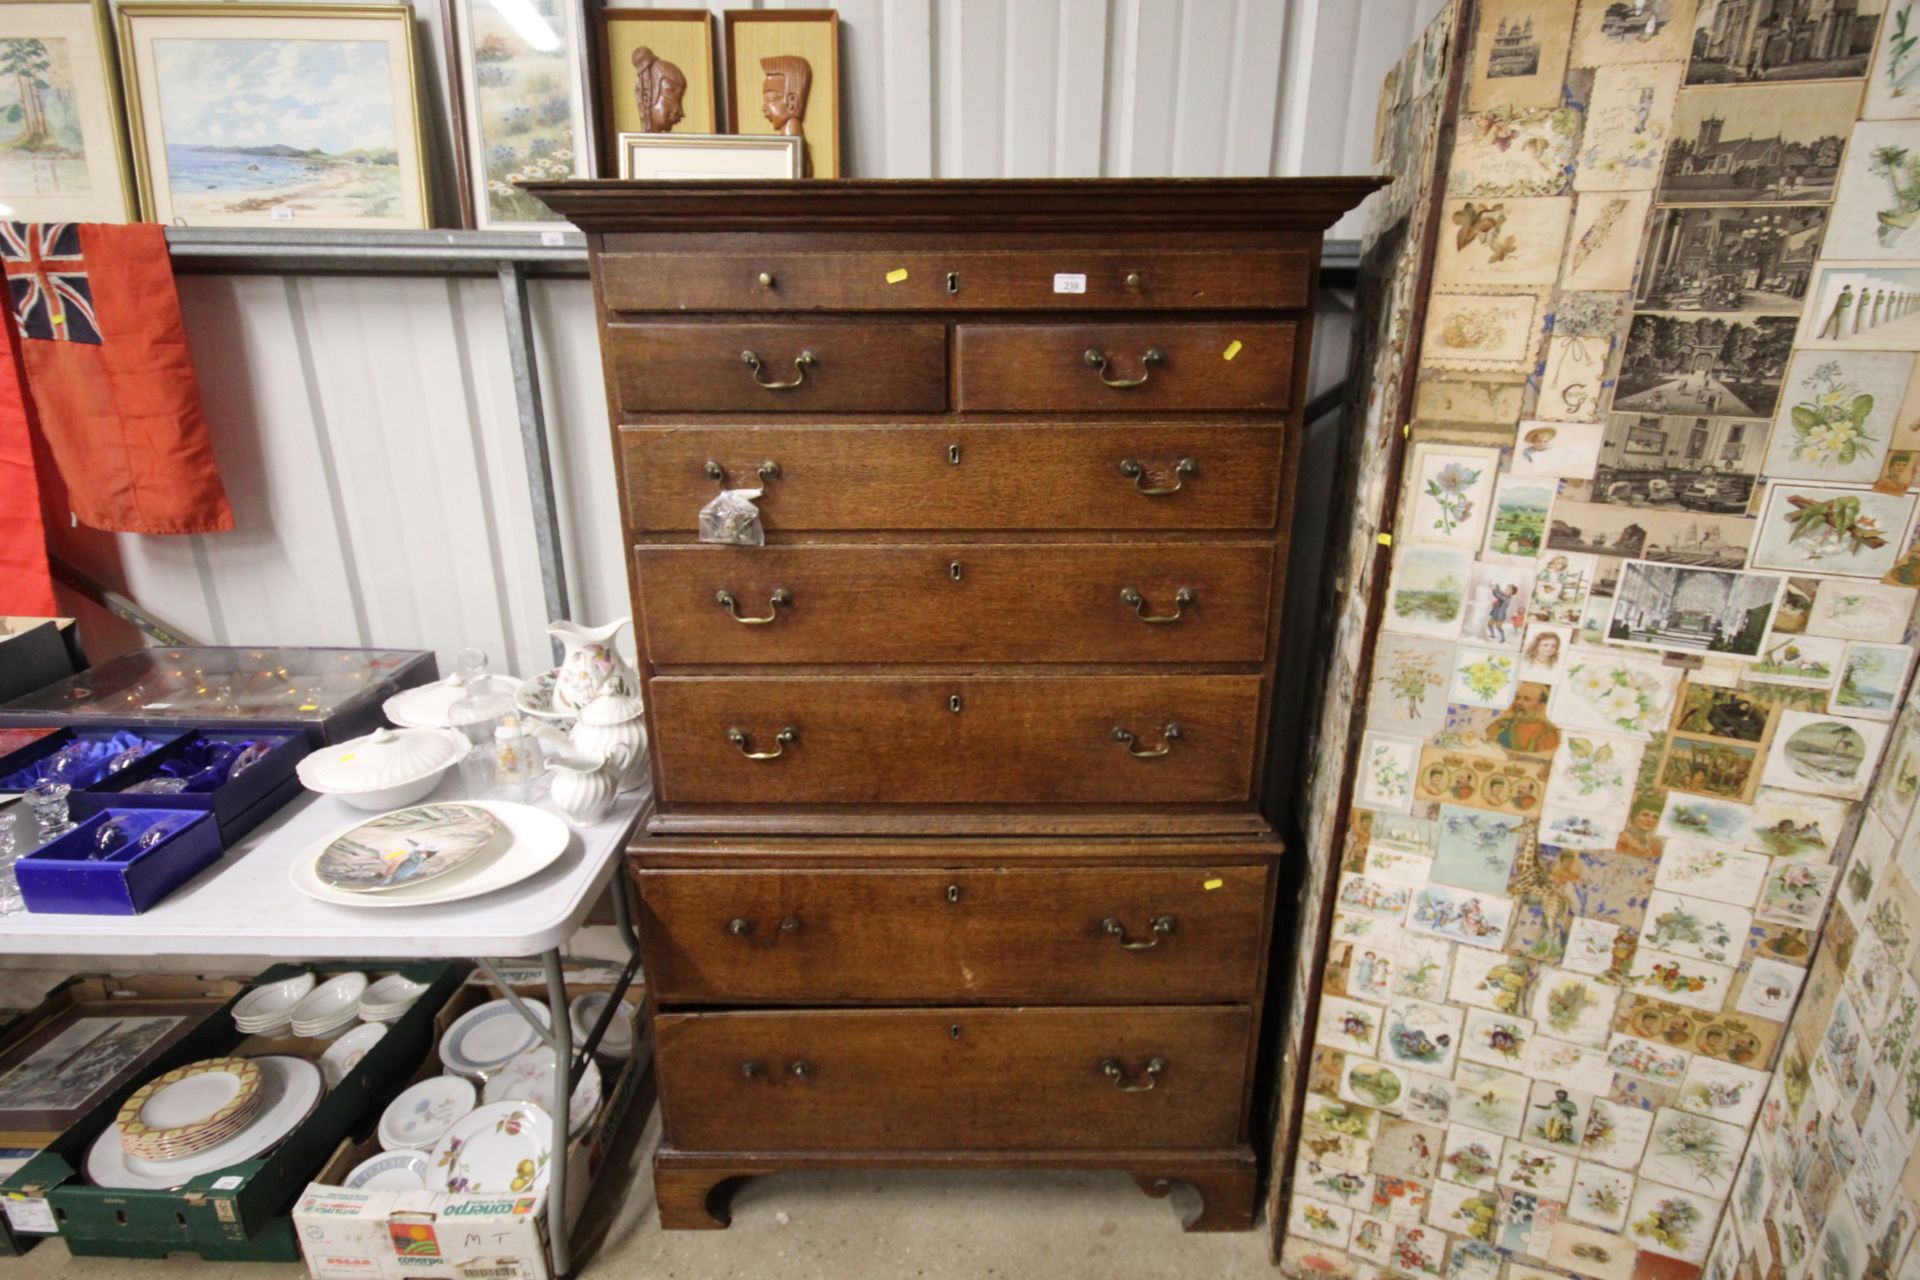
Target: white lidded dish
385,769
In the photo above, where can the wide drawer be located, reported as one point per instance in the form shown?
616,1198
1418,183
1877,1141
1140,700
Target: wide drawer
1091,368
877,1080
1003,740
1090,602
1081,934
799,367
1117,476
922,278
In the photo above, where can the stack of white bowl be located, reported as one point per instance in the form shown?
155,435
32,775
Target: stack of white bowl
268,1010
390,997
331,1007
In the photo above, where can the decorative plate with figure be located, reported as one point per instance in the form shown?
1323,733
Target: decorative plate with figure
410,846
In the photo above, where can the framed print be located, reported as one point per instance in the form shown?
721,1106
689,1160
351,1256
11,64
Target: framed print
63,156
269,114
680,156
517,71
652,73
783,76
53,1076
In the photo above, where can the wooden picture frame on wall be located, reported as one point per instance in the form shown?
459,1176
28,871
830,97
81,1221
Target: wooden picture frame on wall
213,144
494,49
80,170
802,88
665,55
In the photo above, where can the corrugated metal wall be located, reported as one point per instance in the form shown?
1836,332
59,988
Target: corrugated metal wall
367,429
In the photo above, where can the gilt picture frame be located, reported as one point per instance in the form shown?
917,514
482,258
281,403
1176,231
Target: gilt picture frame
215,145
786,63
63,141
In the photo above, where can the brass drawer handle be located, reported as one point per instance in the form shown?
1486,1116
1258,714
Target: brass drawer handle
1097,361
1162,926
1111,1068
1181,599
1131,468
801,363
768,470
1169,736
784,737
779,597
741,927
800,1069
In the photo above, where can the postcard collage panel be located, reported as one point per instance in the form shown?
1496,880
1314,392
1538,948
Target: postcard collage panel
1634,870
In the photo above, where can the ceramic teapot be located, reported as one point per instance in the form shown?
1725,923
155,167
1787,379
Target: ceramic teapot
592,665
609,721
584,786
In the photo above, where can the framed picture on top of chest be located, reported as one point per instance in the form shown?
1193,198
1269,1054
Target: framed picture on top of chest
783,76
63,154
517,75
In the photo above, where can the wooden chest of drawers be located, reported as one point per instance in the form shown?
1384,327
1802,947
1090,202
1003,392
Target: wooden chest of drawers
959,854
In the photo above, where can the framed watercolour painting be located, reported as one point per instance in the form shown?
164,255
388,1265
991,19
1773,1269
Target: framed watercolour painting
264,114
518,75
783,76
51,1077
712,156
653,74
63,156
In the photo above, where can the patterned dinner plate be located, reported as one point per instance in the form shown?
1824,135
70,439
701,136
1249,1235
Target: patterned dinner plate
409,846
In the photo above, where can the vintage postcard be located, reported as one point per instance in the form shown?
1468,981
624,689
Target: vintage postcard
1501,242
1672,1221
1421,1035
1543,652
1495,1039
1520,54
1518,528
1478,848
1682,980
1575,1066
1604,240
1708,870
1828,755
1599,1196
1463,397
1421,968
1560,588
1349,1025
1729,51
1595,772
1542,1170
1795,893
1632,31
1726,366
1487,779
1838,410
1615,692
1693,1152
1721,1091
1574,1006
1478,919
1450,494
1590,945
1372,1084
1491,981
1513,151
1808,662
1427,592
1748,258
1720,711
1495,609
1322,1223
1792,824
1409,690
1678,462
1363,895
1579,349
1808,528
1470,1156
1628,123
1748,144
1871,678
1697,927
1860,611
1710,767
1893,84
1878,200
1670,607
1385,779
1482,331
1556,449
1484,678
1647,1059
1590,1252
1863,306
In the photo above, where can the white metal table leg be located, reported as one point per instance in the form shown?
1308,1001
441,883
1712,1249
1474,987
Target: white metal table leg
561,1110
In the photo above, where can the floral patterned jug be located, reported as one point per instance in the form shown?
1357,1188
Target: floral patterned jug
592,665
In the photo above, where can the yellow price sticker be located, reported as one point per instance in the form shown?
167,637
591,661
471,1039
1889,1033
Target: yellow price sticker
1214,883
309,706
1384,539
1233,349
896,275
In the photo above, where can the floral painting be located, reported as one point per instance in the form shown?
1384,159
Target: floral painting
1672,1221
1614,693
1471,1156
1878,202
1600,1196
1677,979
1837,414
1483,331
1795,893
526,119
1510,151
1386,767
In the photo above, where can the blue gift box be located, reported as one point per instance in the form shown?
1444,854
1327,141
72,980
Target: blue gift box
238,805
61,877
17,771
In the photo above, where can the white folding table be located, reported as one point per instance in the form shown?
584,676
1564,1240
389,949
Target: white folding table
246,905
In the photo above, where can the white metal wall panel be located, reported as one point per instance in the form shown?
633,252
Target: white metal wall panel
367,428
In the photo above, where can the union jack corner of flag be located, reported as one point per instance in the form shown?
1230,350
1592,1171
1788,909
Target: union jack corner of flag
47,280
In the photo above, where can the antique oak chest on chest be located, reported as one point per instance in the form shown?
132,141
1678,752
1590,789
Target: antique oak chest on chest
958,856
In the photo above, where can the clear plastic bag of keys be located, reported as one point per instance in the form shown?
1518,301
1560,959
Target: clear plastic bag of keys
733,518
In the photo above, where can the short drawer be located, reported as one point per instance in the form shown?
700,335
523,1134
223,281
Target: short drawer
1066,935
1127,740
1047,476
982,1079
939,279
1153,365
1090,602
801,367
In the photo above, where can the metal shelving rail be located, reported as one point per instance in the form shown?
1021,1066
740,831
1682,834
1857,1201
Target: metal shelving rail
513,258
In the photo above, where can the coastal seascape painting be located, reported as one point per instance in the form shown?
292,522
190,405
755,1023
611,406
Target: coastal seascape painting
277,117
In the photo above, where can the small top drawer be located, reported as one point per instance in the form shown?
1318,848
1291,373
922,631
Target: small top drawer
801,367
938,279
1106,368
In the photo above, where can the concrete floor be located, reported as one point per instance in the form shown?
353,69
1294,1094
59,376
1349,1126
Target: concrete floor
838,1226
